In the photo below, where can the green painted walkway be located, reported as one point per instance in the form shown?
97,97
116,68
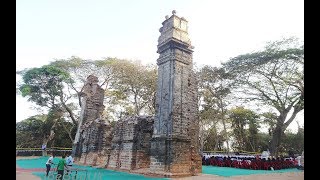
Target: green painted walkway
97,173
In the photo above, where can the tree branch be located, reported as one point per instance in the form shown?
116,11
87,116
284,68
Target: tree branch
296,109
274,102
68,131
272,83
78,94
68,110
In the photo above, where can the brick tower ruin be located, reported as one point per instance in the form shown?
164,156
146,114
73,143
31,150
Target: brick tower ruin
175,141
166,144
93,139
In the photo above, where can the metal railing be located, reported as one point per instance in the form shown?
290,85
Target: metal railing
39,149
225,152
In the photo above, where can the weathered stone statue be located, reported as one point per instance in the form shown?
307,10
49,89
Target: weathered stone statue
175,148
93,139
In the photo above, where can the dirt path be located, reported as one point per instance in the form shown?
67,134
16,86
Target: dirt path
24,174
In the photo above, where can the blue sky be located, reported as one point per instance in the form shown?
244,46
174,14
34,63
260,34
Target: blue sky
92,29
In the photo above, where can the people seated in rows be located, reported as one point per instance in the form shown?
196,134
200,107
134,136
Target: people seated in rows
269,163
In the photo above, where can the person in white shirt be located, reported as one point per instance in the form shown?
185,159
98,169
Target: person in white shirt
302,159
299,161
48,163
69,161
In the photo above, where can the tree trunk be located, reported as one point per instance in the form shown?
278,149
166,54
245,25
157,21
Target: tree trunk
225,133
136,105
46,139
69,131
68,110
281,127
75,145
251,144
217,143
201,137
216,140
276,137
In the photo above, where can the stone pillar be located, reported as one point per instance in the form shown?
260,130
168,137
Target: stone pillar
175,147
93,131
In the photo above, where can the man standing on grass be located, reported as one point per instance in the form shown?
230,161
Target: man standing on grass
61,165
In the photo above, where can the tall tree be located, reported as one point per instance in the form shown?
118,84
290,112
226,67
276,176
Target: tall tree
79,69
214,140
128,85
270,119
209,134
31,132
238,120
45,87
134,87
253,132
293,141
263,142
274,78
214,89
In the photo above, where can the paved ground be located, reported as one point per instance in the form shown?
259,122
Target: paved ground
25,175
22,174
273,176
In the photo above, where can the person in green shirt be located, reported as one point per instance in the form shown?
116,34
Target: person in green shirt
60,167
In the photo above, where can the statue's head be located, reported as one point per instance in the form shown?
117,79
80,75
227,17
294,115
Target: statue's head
92,79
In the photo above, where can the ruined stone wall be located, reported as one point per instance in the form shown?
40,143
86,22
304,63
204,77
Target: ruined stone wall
193,128
96,139
131,143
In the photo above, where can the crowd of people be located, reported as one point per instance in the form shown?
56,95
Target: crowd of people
64,165
250,162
